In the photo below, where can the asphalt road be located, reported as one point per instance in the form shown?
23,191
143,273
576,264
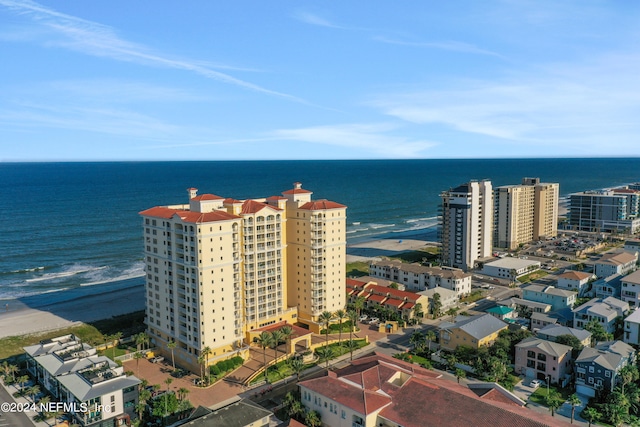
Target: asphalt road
12,419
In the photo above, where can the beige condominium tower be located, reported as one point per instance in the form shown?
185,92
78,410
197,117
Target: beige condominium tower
525,212
466,224
217,268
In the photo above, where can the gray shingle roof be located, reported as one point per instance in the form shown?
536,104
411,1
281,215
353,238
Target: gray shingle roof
549,347
481,325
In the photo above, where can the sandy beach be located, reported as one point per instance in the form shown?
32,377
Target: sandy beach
366,251
21,319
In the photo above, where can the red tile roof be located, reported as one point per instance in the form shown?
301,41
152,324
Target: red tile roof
357,399
354,282
408,306
297,330
207,197
251,207
297,191
376,298
395,292
276,198
188,216
319,205
394,302
231,201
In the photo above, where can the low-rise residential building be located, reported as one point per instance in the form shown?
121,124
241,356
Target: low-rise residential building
540,320
96,389
448,298
576,281
553,331
544,360
630,289
510,268
379,390
632,245
609,286
597,368
557,298
632,328
619,263
604,311
475,331
503,313
525,308
403,303
419,278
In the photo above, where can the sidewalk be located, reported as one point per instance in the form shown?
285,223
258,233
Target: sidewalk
26,401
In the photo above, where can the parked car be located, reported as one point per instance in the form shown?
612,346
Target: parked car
535,383
363,318
157,359
373,320
179,373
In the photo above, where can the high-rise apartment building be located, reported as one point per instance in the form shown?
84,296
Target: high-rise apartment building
218,268
466,224
525,212
603,211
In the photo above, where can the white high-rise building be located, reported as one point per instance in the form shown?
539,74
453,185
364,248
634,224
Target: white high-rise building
466,224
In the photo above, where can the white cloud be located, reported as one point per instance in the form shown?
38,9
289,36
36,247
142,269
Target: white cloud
95,39
371,138
450,45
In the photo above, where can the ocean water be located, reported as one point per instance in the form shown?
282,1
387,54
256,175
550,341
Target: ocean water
75,226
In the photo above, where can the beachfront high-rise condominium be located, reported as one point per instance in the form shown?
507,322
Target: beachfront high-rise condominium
525,212
217,268
466,224
603,211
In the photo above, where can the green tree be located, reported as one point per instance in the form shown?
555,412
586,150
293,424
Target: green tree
340,315
394,285
264,341
598,333
553,401
436,305
417,338
460,373
201,361
417,311
296,365
312,419
431,337
353,319
571,341
287,333
137,356
325,354
116,340
592,415
359,304
22,380
33,391
325,318
206,352
171,345
276,337
574,401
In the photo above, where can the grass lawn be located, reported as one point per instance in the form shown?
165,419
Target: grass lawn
540,394
119,351
474,296
532,276
430,254
357,269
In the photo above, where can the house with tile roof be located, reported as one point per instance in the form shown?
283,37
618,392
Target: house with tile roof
615,263
403,303
604,311
419,278
378,390
576,281
544,360
551,332
598,367
475,331
557,298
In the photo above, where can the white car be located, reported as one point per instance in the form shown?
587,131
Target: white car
363,318
535,383
374,320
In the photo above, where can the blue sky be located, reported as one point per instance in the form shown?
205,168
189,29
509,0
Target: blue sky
166,80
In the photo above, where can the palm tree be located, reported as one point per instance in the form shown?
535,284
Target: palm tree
171,345
325,353
32,391
417,311
21,380
326,317
352,345
296,366
353,318
116,339
417,339
460,373
553,401
574,401
287,333
592,415
182,393
276,337
139,340
206,352
359,305
137,356
312,419
340,315
264,340
201,362
431,336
